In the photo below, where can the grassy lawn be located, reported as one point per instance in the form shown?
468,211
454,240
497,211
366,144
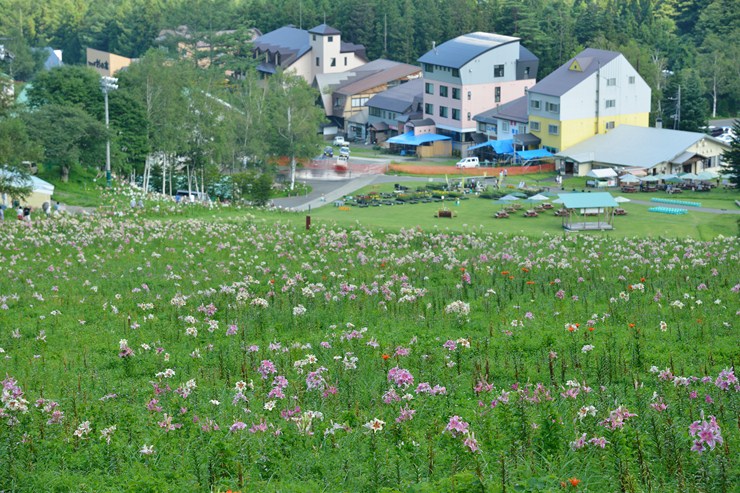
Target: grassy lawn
478,213
83,188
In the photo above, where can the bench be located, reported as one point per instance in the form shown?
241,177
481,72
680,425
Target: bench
444,214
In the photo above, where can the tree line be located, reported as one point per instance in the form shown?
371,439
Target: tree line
698,41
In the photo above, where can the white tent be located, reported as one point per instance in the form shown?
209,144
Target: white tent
41,191
602,174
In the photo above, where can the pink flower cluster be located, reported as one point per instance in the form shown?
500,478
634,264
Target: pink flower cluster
400,376
617,418
707,434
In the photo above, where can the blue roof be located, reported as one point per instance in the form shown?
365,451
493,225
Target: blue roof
458,51
534,154
414,140
500,146
587,200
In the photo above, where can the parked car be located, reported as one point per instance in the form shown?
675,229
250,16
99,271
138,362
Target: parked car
328,151
344,151
339,141
468,162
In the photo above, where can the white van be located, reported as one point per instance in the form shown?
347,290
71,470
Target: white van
468,162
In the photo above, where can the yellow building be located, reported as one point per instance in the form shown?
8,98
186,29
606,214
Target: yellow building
106,64
592,93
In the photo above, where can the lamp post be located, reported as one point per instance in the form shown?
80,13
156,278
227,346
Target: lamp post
107,84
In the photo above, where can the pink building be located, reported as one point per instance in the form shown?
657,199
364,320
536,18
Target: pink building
470,74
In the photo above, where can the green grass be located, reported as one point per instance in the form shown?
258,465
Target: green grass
478,213
82,189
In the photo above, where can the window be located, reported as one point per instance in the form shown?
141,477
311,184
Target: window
534,126
429,88
468,116
345,61
443,111
498,70
455,72
611,103
521,128
552,150
331,38
318,62
535,104
333,62
428,67
497,95
552,129
504,126
443,91
526,72
375,112
358,102
313,36
609,125
611,81
470,94
455,93
552,107
429,109
455,114
631,79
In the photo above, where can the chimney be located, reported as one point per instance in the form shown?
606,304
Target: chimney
659,122
434,47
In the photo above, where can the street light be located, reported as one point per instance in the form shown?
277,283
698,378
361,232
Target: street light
107,84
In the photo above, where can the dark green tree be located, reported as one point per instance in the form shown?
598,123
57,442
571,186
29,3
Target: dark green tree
261,189
69,85
15,183
69,137
16,147
732,158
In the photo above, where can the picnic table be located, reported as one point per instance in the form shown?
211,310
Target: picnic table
501,215
531,213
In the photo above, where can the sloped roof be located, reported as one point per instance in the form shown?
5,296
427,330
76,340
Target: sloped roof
374,74
640,147
458,51
515,110
290,42
563,79
398,98
324,29
587,200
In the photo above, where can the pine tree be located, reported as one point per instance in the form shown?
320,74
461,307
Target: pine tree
732,158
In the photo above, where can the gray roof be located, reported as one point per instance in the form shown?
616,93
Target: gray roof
398,98
374,74
563,79
290,42
515,110
458,51
324,29
422,123
639,147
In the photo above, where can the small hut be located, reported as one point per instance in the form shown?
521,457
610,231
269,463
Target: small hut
588,211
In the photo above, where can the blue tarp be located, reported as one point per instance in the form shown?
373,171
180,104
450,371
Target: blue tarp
500,146
535,154
414,140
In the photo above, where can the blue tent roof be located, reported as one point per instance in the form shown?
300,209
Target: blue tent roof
500,146
534,154
414,140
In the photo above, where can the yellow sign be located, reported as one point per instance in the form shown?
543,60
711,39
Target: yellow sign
575,66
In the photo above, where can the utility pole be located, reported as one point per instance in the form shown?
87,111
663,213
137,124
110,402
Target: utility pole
677,119
107,84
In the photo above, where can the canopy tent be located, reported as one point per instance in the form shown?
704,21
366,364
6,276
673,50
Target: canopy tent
650,179
414,140
629,179
602,174
534,154
500,146
707,175
539,196
509,197
620,199
689,176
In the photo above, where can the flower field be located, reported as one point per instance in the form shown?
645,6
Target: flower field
192,355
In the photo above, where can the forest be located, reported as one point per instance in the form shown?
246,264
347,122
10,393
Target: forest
169,106
696,41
